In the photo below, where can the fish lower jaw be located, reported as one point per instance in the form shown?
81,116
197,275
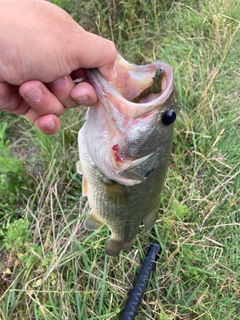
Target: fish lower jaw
113,247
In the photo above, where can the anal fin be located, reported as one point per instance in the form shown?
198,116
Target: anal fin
151,218
92,223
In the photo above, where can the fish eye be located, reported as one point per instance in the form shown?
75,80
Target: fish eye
169,117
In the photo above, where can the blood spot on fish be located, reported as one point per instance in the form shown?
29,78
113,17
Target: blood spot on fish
115,147
115,152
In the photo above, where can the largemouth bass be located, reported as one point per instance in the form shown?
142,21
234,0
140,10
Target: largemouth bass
124,148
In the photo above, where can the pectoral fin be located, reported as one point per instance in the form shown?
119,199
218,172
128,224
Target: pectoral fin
92,223
79,167
151,218
84,186
84,180
116,193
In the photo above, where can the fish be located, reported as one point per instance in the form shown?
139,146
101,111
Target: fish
124,149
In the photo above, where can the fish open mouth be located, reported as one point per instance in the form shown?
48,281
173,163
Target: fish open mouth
145,86
141,84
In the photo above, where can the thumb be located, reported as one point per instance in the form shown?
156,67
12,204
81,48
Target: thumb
106,61
94,51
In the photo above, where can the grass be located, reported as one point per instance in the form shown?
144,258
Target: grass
51,268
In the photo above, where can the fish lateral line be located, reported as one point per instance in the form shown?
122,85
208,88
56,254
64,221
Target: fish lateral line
155,87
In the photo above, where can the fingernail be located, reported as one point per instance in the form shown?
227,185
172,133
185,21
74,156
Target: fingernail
83,99
59,81
113,74
34,94
50,125
109,75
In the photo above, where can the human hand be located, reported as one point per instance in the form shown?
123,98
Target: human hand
41,46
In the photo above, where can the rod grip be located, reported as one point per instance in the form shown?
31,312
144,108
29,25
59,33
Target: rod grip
140,284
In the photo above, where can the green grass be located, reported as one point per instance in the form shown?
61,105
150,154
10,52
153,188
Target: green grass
50,267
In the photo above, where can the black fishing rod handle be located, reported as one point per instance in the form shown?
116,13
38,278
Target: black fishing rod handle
139,287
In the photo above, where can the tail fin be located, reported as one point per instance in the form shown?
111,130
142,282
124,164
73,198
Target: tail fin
113,247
